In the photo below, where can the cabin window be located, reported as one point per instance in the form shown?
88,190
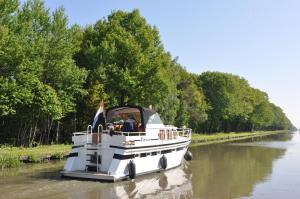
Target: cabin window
143,155
125,119
154,153
166,151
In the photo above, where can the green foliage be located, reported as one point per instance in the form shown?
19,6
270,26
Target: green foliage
8,160
7,10
11,156
125,53
227,95
235,106
39,80
280,121
52,77
192,111
262,115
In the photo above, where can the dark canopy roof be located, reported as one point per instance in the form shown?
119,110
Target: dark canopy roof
145,113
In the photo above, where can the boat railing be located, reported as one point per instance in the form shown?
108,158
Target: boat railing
79,133
164,133
185,132
129,133
174,133
99,130
89,131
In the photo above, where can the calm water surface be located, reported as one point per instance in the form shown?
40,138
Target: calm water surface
259,168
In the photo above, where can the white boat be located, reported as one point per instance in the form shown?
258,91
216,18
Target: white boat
129,141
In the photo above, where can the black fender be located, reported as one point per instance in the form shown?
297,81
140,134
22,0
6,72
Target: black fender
131,169
188,156
163,162
111,132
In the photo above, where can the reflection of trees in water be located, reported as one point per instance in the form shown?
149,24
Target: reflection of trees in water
226,171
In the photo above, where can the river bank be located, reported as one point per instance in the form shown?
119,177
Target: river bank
204,139
15,156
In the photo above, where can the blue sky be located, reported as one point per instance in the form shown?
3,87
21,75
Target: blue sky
256,39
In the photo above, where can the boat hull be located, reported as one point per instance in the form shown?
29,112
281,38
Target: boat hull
118,169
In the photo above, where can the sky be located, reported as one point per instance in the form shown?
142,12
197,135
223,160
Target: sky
256,39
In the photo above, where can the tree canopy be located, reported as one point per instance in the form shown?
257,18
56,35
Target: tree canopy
53,75
39,78
236,106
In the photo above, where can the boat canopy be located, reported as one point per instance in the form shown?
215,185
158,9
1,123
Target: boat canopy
143,116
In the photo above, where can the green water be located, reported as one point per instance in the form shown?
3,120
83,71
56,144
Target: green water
256,168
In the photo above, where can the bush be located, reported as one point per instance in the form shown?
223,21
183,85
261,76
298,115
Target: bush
8,160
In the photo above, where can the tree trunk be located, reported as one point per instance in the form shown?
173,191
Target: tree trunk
57,132
49,126
34,133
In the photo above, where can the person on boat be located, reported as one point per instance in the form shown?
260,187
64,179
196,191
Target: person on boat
129,124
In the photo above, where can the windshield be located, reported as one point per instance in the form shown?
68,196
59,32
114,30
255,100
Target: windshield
119,115
154,119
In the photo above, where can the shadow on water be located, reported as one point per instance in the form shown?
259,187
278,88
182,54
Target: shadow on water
217,171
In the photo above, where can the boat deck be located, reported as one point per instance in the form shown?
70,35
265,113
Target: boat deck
89,175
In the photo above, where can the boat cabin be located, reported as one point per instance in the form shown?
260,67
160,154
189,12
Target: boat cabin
129,124
130,119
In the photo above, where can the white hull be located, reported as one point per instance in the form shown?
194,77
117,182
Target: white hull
115,155
117,160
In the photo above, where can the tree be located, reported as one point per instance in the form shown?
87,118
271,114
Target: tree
262,115
227,95
52,77
280,121
125,54
39,79
192,110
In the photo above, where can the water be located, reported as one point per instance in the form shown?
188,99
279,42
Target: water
257,168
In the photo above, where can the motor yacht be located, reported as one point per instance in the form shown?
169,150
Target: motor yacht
127,141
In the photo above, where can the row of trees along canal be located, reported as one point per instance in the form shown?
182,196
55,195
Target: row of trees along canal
52,76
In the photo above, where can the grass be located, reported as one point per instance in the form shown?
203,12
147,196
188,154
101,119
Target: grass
204,139
13,156
8,160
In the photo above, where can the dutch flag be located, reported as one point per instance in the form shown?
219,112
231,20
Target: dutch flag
100,110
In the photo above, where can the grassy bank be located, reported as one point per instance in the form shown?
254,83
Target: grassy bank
203,139
14,156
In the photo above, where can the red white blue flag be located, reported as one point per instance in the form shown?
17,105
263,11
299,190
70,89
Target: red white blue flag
100,110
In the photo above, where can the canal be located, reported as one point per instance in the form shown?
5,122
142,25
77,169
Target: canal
265,167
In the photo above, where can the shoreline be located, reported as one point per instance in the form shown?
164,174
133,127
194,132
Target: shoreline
204,139
11,157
